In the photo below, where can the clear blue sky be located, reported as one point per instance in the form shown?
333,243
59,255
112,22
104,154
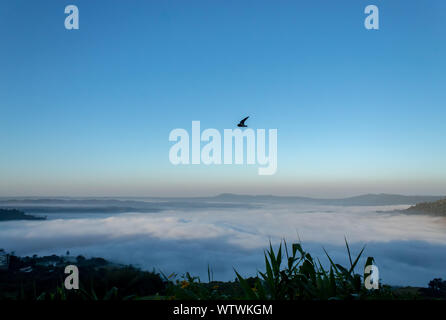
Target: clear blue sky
89,111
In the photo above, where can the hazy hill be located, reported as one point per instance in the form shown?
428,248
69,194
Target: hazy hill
12,214
437,208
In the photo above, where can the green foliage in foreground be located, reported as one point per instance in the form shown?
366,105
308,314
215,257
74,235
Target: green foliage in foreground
304,278
290,273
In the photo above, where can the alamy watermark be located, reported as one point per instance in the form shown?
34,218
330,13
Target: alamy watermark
211,153
371,22
371,275
72,20
72,280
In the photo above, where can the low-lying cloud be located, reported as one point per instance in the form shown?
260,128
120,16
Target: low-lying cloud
409,249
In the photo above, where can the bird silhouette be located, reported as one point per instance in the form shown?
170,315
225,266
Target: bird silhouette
242,123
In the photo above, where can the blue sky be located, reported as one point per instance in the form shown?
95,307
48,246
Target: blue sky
89,111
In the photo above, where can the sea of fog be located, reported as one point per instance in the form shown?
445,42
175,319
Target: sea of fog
408,249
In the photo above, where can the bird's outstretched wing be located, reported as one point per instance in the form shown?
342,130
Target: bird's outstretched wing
243,121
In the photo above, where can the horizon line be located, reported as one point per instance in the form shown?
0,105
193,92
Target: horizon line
220,194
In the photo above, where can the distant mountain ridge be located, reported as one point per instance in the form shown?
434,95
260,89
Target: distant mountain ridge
360,200
221,201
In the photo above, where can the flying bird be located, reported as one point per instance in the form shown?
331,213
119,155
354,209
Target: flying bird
242,123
